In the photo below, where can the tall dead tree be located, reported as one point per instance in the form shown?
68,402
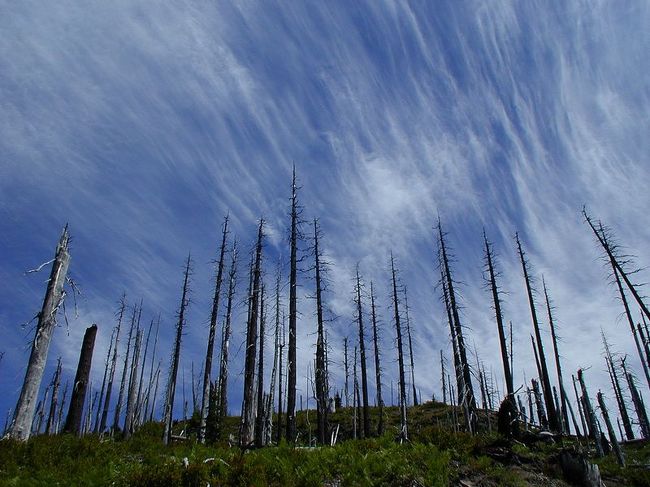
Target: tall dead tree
76,410
558,366
553,422
452,333
216,299
346,370
496,300
639,407
107,365
610,430
132,396
259,418
140,400
176,355
276,358
222,382
616,386
362,357
281,345
147,401
320,372
400,354
293,299
594,428
51,417
467,394
125,368
247,423
375,340
111,375
54,295
443,373
408,336
615,260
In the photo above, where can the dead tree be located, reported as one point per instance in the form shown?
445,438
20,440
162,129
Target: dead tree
51,417
355,400
139,404
111,375
375,339
320,372
408,336
541,414
259,419
594,429
125,368
75,412
247,423
616,262
276,357
132,396
452,334
222,381
207,373
400,355
107,364
176,355
281,346
639,407
610,430
468,398
443,373
618,392
553,422
293,298
59,417
346,368
558,366
362,358
54,295
496,300
145,408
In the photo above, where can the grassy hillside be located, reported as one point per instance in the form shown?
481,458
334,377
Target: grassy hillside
436,456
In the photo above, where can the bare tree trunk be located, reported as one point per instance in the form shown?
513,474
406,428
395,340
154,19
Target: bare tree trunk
400,355
293,282
469,402
639,407
61,406
107,364
222,383
207,373
564,424
375,339
51,417
140,400
507,372
155,392
346,366
259,419
247,424
132,396
355,393
280,396
150,384
610,430
408,336
591,416
618,393
24,411
320,372
554,424
125,368
111,375
75,412
362,364
580,408
443,373
175,359
276,356
541,414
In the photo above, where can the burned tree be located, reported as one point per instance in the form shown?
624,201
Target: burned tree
293,298
408,336
176,354
610,430
75,412
259,419
618,392
132,396
207,373
321,377
594,429
553,422
467,392
125,369
106,367
362,358
111,375
54,295
400,354
51,417
639,407
276,358
375,340
247,423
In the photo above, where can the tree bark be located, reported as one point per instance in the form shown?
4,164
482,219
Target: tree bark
375,339
610,430
362,364
125,368
107,364
320,372
51,417
291,360
76,410
408,336
24,411
591,416
132,396
400,356
111,375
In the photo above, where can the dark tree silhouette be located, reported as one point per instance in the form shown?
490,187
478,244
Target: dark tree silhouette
375,340
362,358
80,385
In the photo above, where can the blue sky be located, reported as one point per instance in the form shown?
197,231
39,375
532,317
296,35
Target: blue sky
142,123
